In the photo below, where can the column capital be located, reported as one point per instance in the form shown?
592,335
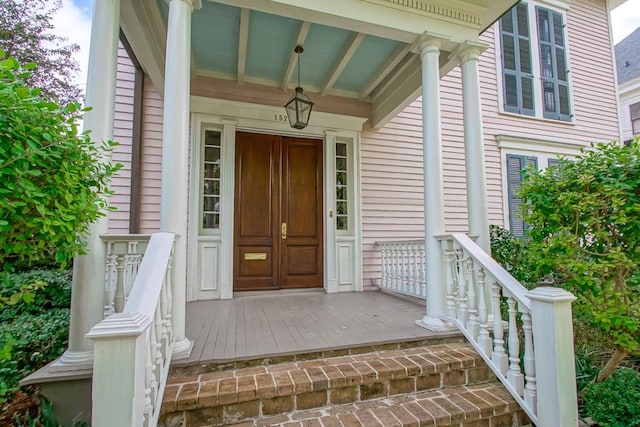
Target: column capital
469,50
193,4
429,41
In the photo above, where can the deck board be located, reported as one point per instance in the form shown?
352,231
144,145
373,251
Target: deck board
275,323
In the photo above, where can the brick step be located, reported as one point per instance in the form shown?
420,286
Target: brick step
481,405
248,393
179,368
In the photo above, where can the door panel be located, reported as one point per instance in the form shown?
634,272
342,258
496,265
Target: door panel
278,184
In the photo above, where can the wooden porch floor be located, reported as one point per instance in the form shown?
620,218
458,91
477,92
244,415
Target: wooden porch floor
276,324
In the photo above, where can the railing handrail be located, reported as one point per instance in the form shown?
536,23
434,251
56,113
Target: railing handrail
398,242
152,270
125,237
494,269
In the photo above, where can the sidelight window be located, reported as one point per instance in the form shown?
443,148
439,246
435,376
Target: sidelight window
342,189
211,170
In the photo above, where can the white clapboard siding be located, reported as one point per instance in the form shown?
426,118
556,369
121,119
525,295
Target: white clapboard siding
122,133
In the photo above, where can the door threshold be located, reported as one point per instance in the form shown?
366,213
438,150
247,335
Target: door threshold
276,292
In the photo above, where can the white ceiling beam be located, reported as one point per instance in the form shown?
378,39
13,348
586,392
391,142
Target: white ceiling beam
393,60
243,41
302,37
342,63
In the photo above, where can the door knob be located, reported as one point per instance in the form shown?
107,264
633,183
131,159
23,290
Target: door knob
284,231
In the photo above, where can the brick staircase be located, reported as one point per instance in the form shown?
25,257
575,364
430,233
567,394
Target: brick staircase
404,384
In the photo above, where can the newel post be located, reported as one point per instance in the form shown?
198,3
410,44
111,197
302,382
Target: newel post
119,370
554,356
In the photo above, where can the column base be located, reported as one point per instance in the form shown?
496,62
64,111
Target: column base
182,349
435,324
72,360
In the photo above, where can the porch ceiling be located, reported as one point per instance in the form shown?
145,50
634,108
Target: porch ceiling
356,49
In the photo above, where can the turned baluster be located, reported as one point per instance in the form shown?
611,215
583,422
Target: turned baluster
472,322
110,280
531,388
385,266
484,339
499,356
461,272
148,389
514,375
449,256
119,299
423,271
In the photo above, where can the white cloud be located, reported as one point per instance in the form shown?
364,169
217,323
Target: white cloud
625,19
74,23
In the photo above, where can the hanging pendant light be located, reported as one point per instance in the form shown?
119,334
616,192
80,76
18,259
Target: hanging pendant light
299,107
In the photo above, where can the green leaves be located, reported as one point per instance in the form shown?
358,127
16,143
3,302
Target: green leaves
584,231
53,183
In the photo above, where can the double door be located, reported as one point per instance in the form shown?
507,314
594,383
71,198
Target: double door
278,239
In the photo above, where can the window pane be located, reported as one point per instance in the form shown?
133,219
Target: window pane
341,149
341,164
546,63
634,109
548,97
543,25
211,179
341,178
341,208
341,222
341,193
635,126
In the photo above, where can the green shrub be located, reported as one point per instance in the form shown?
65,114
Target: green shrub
616,401
34,340
52,290
511,252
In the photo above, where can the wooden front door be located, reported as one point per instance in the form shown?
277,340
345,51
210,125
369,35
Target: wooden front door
278,213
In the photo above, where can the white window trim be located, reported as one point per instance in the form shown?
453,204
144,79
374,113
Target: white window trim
542,149
560,6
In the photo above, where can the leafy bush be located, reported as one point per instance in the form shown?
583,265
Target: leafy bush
616,401
584,231
511,252
53,290
35,340
53,183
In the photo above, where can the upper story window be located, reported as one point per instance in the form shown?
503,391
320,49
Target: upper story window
534,62
634,109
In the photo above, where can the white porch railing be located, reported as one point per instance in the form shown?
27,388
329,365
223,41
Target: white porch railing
124,255
132,347
536,328
403,267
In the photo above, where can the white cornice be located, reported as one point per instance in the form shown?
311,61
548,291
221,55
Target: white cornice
520,143
451,10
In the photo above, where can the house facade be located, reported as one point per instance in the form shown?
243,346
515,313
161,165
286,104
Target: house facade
425,113
384,197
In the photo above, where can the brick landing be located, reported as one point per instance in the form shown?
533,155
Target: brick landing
438,385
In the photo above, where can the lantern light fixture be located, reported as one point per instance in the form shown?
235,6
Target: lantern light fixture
299,107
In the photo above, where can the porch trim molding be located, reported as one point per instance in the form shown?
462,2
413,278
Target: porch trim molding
228,117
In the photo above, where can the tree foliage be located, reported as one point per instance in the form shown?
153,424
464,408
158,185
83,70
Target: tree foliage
584,232
52,182
26,34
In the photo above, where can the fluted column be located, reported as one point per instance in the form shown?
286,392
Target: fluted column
433,187
175,157
477,206
87,291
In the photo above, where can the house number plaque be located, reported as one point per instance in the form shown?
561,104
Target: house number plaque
255,256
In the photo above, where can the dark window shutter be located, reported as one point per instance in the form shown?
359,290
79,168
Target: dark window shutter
517,77
515,172
552,162
553,65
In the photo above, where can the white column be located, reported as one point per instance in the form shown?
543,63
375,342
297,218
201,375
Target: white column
555,367
87,291
477,206
433,188
175,157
